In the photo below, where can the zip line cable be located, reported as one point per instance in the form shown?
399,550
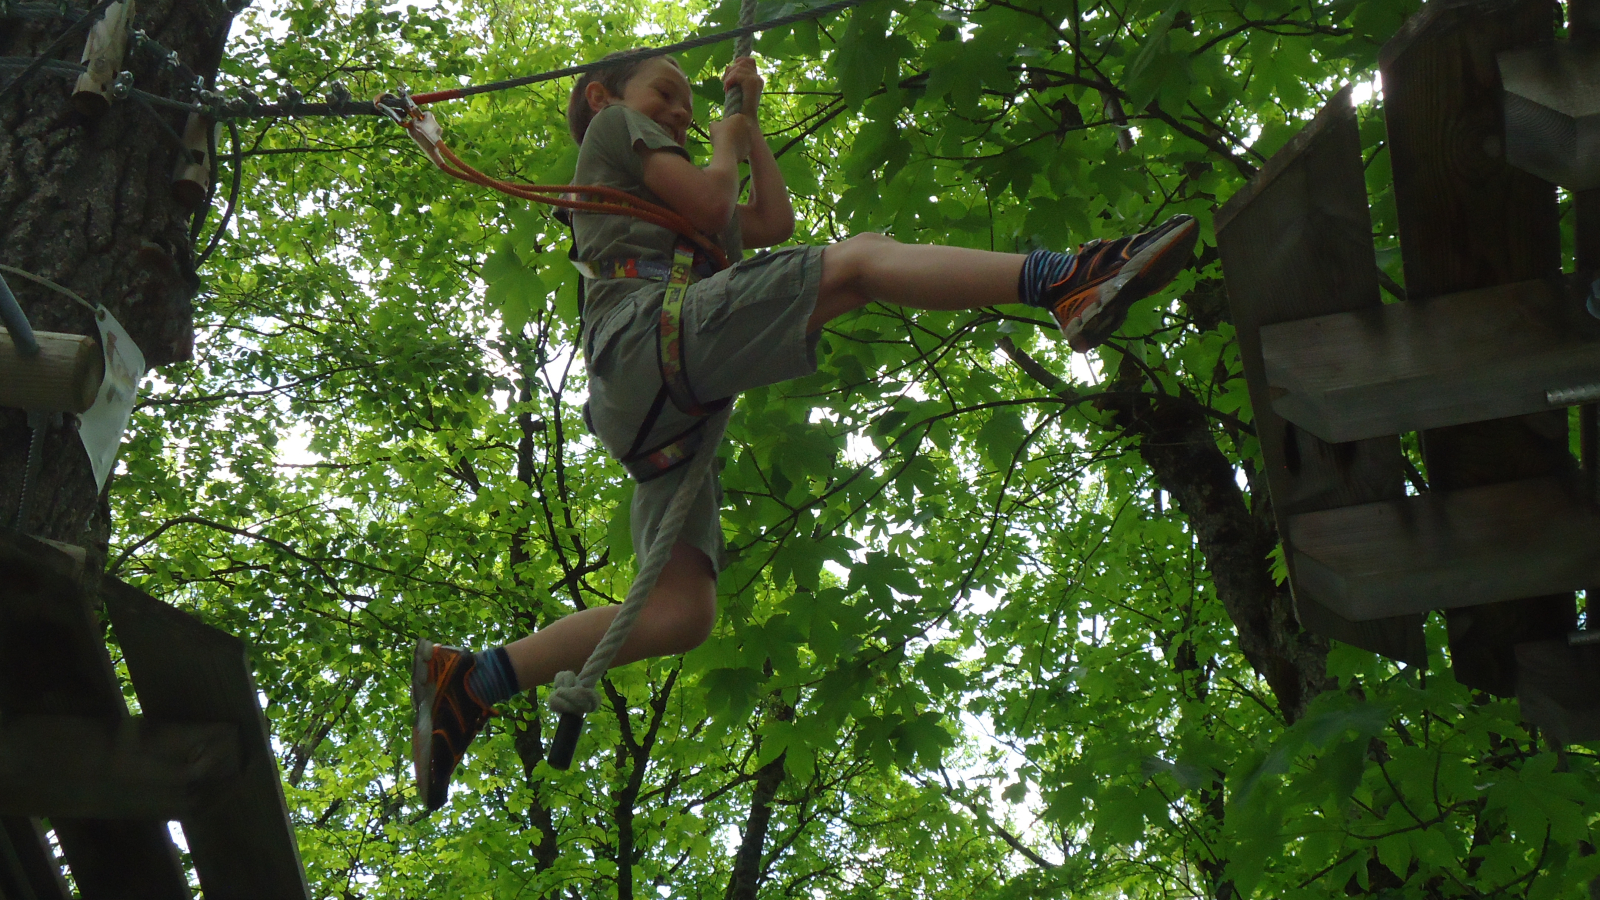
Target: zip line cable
745,31
340,104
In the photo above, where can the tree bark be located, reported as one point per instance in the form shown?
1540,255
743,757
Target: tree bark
746,878
1175,441
88,204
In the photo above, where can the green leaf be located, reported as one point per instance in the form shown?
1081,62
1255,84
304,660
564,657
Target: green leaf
861,58
1145,73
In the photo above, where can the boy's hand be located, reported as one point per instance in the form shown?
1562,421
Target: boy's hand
732,135
743,74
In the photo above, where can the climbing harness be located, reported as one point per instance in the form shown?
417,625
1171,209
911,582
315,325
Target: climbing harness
642,463
646,464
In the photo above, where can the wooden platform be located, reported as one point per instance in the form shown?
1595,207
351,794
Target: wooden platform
1448,549
1491,353
1296,244
188,673
53,661
74,762
1481,359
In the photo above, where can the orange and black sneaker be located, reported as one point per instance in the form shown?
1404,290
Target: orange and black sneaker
445,715
1091,300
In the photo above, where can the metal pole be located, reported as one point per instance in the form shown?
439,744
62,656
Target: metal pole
16,323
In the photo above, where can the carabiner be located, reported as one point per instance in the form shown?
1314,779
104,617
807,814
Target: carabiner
399,108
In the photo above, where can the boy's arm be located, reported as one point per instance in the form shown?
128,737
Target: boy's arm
768,218
706,197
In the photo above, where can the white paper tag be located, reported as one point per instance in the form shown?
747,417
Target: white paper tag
101,427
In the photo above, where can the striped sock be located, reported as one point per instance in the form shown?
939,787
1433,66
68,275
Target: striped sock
492,679
1041,269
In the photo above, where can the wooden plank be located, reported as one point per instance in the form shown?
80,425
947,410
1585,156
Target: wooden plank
28,867
53,662
1558,687
1447,549
1583,24
1486,354
111,769
1297,243
1468,220
243,846
1552,112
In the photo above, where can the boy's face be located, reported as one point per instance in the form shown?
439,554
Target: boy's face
660,91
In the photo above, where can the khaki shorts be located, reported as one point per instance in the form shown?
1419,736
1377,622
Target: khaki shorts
744,327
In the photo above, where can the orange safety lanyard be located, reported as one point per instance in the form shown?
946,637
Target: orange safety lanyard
425,131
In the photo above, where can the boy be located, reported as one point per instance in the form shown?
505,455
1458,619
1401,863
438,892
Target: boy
755,323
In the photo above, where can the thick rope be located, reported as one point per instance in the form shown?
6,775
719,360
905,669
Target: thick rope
574,692
734,104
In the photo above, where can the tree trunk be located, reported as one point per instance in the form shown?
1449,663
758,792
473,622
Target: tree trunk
1175,441
88,204
746,878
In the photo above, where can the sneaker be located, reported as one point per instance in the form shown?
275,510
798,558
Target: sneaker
445,715
1108,277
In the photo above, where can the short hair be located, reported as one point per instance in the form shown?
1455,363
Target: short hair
614,78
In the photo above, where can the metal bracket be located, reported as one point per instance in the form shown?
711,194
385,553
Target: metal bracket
39,422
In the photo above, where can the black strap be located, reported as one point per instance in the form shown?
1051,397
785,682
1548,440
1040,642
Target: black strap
664,457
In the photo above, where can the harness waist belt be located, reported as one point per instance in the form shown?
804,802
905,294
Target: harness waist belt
649,269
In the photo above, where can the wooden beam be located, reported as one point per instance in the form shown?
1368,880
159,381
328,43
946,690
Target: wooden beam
80,767
1296,243
63,376
1469,220
1486,354
243,846
1449,549
28,867
1583,24
53,661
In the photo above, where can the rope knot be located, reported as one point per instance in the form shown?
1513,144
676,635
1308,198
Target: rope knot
568,695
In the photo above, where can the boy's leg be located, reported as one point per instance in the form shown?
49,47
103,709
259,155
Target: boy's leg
1088,293
453,692
868,267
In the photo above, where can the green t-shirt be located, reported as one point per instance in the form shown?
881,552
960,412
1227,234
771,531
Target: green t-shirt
612,156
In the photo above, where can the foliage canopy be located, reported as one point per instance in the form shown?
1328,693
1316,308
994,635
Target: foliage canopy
968,646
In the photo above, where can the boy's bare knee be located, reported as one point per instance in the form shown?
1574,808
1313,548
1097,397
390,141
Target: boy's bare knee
685,601
698,618
859,251
845,264
684,621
